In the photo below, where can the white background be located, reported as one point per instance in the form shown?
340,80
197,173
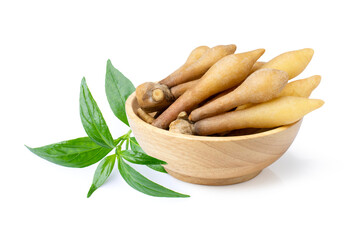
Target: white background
46,47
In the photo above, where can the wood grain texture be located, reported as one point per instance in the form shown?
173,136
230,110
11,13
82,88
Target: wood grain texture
211,160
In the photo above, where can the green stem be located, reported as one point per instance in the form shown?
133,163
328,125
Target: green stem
127,144
128,133
121,143
124,138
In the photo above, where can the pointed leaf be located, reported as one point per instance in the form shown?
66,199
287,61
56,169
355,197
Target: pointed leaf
102,173
118,88
136,147
144,185
77,153
157,167
139,158
92,119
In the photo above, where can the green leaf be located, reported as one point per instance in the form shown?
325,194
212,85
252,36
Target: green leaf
76,153
139,158
144,185
102,173
118,88
157,167
136,147
92,119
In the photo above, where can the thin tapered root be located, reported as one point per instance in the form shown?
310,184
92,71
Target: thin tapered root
230,71
145,116
260,86
277,112
180,89
193,57
298,88
200,66
293,62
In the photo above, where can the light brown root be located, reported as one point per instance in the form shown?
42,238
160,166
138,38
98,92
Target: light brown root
200,66
182,124
178,90
298,88
242,107
246,131
145,116
257,66
193,57
274,113
228,72
153,97
263,85
219,95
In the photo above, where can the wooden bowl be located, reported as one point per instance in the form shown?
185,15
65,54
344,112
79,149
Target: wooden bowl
211,160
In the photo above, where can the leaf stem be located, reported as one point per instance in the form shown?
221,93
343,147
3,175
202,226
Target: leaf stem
127,143
128,133
119,146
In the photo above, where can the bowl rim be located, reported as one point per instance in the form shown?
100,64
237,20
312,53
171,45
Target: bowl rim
137,120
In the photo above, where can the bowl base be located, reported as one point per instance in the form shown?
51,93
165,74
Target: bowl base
212,181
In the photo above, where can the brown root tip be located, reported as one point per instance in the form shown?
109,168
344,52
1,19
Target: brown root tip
181,126
144,116
158,95
183,115
153,97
